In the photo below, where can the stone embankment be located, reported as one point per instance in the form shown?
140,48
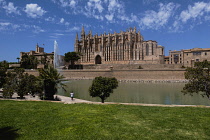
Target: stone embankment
137,81
154,81
141,75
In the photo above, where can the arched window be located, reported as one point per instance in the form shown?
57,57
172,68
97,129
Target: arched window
147,49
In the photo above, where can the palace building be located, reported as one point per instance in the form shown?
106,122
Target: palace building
42,57
188,57
119,48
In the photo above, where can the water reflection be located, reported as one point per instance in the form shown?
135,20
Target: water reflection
150,93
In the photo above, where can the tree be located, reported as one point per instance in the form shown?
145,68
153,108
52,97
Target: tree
2,76
71,56
20,82
102,87
18,59
199,79
51,80
4,64
29,62
9,85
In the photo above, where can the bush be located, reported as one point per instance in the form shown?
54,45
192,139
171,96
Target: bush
140,67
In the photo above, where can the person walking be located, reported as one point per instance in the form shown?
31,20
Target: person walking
72,96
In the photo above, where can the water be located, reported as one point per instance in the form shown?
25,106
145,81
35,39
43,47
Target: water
57,59
149,93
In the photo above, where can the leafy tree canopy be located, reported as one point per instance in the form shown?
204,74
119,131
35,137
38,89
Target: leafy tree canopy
71,56
20,82
29,62
4,64
2,76
199,79
102,87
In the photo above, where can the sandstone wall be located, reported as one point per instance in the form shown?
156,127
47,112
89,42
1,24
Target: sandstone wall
140,74
133,66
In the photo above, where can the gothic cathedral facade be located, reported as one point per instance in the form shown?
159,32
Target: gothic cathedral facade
119,48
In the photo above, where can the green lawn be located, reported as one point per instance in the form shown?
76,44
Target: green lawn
46,120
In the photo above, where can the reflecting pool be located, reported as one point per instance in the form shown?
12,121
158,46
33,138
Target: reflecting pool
149,93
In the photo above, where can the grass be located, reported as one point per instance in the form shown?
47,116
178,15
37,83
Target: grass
47,120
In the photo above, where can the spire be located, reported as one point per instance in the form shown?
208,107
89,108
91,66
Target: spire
90,32
134,30
76,36
83,31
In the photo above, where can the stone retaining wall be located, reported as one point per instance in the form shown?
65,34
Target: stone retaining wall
137,75
133,66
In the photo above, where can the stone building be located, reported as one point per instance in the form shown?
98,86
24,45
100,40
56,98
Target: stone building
188,57
119,48
41,56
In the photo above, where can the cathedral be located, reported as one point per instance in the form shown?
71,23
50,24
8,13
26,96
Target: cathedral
119,48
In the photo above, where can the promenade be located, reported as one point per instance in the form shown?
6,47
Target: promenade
67,100
64,99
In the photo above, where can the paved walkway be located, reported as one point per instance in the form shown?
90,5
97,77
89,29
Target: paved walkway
64,99
67,100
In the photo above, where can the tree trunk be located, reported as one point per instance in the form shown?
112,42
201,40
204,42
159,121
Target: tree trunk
21,96
102,99
72,62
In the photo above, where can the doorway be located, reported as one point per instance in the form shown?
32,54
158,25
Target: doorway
98,59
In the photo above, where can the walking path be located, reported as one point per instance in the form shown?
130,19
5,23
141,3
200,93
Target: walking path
64,99
67,100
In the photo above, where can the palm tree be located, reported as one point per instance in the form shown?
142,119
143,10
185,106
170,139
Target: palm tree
51,80
18,58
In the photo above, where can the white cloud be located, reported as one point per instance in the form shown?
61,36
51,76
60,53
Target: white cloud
7,26
34,11
66,3
207,17
114,5
67,23
62,20
50,19
96,5
3,2
37,29
4,23
56,35
155,20
10,8
93,9
72,29
109,17
72,3
116,10
149,1
196,11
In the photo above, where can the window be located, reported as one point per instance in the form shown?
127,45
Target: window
205,53
176,58
197,60
147,49
196,53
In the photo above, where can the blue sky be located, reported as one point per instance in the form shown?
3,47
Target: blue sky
174,24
